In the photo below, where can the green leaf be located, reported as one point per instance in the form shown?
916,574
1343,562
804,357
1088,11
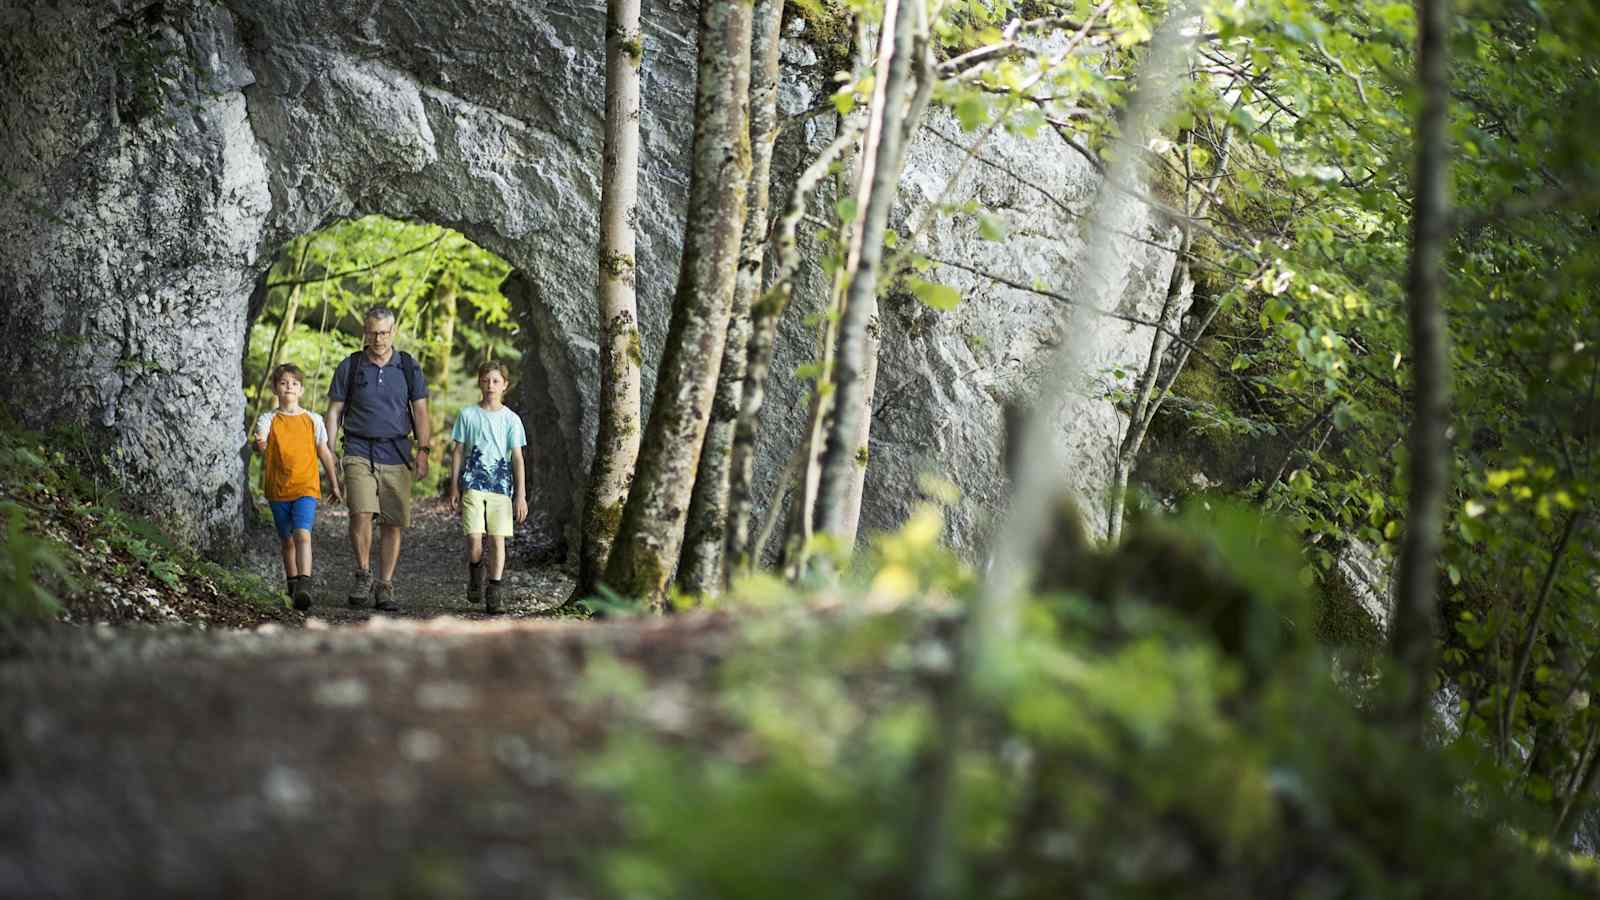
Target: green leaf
991,228
939,296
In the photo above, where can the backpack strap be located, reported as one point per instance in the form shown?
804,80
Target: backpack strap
411,369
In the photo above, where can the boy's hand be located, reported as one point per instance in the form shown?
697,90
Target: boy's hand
521,509
260,443
338,495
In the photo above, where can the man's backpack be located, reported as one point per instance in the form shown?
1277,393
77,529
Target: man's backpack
409,367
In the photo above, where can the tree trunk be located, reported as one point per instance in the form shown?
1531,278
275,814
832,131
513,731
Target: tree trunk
862,438
701,571
1149,400
617,444
648,543
764,329
281,335
437,367
1530,635
989,636
879,187
1412,635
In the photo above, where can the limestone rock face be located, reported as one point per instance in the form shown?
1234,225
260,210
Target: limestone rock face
158,155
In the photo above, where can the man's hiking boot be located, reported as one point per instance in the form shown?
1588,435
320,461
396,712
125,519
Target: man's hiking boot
302,592
475,582
491,597
383,597
360,589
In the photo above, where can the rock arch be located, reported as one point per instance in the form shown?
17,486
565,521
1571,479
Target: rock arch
139,201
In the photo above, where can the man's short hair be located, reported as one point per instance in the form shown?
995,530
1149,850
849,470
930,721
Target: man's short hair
379,312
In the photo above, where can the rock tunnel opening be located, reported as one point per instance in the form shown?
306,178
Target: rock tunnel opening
456,305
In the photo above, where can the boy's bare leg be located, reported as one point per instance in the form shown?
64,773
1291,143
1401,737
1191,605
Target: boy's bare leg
302,547
291,567
361,539
474,548
388,551
497,556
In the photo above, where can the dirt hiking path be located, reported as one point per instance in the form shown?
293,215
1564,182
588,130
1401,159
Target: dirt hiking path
433,754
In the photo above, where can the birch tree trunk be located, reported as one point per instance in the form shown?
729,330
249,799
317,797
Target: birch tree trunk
923,74
702,569
1411,639
764,317
437,368
281,335
651,535
879,187
988,638
1148,400
617,444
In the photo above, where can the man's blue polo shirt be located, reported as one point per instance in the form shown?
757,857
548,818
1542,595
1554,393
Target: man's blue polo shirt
377,412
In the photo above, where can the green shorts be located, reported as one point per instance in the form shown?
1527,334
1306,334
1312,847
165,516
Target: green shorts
483,512
378,489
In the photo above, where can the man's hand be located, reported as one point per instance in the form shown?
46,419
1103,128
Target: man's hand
454,500
422,465
522,509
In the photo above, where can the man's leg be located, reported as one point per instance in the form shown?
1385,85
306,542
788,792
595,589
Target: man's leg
361,540
361,493
388,551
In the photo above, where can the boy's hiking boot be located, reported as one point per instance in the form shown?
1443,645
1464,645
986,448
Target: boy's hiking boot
302,592
475,582
491,597
360,589
383,597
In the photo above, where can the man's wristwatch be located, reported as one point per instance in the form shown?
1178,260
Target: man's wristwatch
424,449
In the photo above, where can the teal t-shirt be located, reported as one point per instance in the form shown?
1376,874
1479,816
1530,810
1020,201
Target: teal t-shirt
487,439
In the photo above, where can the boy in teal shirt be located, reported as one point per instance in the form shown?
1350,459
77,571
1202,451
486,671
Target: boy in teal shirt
487,481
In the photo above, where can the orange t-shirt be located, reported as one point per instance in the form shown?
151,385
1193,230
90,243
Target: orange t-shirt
289,471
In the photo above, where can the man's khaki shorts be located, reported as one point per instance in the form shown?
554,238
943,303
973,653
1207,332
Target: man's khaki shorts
384,490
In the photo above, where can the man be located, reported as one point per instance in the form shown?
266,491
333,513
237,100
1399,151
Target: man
380,397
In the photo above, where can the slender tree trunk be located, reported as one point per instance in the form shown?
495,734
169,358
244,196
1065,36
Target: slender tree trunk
647,545
437,368
1412,635
879,188
1147,400
989,636
801,524
1530,634
281,335
617,443
850,517
702,568
764,329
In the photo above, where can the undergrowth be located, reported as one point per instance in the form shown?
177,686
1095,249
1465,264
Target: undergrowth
1122,749
74,551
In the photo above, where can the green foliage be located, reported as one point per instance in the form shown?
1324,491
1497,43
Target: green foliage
27,560
1126,758
403,265
75,551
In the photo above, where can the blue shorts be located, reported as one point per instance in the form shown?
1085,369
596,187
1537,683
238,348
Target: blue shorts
290,515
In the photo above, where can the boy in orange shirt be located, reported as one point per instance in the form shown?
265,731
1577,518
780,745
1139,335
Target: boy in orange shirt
293,438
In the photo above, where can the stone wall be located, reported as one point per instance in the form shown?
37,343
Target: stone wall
141,212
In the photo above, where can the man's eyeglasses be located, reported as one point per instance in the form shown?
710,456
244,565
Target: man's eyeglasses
380,333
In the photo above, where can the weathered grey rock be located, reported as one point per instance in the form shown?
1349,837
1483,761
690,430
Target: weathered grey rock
139,215
1368,578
